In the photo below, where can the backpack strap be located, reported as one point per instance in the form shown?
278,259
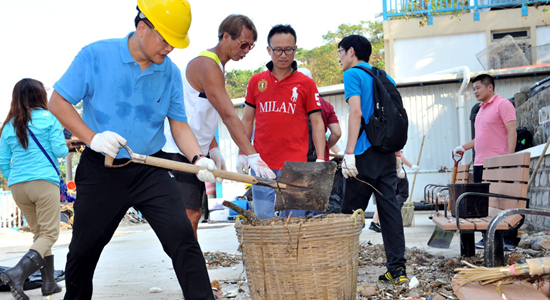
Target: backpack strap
371,73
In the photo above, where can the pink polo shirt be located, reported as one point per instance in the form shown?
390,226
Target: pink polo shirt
491,135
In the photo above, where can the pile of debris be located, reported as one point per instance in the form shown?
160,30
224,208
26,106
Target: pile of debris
429,275
217,259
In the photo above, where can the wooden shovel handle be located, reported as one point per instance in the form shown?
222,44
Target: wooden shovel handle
190,168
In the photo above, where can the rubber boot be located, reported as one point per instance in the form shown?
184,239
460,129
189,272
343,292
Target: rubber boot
15,277
49,286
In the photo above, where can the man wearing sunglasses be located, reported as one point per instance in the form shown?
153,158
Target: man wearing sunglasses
280,99
128,87
206,100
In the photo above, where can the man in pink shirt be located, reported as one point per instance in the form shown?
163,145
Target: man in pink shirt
495,129
495,125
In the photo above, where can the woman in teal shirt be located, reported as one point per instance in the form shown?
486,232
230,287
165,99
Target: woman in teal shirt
33,181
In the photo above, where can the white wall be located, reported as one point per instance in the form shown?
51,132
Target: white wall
543,35
421,56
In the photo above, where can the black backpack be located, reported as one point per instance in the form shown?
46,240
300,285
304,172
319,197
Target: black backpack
388,125
525,139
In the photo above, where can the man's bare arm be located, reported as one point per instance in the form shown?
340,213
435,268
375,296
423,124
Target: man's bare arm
354,122
212,80
69,118
185,138
335,134
318,132
512,136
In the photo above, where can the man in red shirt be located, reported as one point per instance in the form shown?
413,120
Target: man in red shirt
330,120
279,100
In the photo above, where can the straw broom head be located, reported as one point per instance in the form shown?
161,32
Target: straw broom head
533,266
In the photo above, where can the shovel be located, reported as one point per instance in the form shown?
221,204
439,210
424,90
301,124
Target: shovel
303,185
441,238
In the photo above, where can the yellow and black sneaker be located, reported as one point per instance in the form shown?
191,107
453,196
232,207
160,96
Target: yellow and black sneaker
397,276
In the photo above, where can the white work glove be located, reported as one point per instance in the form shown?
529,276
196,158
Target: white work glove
319,160
458,152
398,165
348,165
242,164
216,156
206,175
415,168
401,174
260,167
107,142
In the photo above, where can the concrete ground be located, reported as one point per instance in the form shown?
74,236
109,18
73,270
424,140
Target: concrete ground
134,262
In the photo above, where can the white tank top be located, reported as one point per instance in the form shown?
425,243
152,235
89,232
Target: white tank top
202,117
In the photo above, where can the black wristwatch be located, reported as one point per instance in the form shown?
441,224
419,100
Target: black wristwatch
196,157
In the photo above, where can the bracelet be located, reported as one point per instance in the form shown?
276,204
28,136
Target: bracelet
196,157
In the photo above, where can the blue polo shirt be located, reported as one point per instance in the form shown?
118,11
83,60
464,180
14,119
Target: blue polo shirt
358,83
118,97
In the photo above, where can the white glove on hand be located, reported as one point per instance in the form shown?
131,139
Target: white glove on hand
319,160
415,168
398,165
242,164
401,174
458,152
348,166
107,142
216,156
260,167
206,175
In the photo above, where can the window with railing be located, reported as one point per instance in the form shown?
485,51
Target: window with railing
420,8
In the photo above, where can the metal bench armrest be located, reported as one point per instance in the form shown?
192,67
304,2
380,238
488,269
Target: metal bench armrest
490,235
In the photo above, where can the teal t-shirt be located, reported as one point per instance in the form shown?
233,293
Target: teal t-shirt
19,165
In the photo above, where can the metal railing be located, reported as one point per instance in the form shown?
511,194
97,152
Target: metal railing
10,215
418,8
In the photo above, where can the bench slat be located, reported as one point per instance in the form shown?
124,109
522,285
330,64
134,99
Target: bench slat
508,174
449,223
511,189
508,160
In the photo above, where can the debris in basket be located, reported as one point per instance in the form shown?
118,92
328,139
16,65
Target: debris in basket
217,259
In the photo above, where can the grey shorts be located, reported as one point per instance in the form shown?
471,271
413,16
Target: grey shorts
191,188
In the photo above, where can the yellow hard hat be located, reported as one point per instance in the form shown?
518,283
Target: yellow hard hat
171,18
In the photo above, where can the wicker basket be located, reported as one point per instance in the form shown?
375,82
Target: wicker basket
308,258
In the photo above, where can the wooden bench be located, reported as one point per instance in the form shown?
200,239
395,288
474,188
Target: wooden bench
508,176
463,174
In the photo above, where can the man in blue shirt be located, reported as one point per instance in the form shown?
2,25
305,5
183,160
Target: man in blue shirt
364,164
128,87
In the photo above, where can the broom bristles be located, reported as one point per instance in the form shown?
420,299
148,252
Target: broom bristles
506,274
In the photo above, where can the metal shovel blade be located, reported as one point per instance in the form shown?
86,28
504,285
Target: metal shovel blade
308,185
441,238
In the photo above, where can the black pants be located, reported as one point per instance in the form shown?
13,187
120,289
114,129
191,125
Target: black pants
378,169
104,196
478,174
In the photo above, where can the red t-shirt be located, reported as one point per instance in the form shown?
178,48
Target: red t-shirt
281,132
329,117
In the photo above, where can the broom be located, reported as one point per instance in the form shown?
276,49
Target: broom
407,211
532,266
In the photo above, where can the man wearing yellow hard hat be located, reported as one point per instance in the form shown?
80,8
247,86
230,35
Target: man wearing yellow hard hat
128,87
